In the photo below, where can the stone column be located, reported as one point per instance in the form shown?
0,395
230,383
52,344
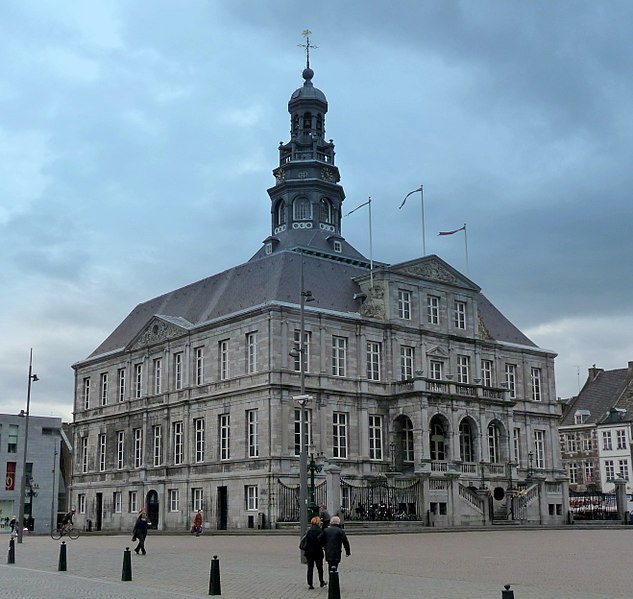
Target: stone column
620,498
333,483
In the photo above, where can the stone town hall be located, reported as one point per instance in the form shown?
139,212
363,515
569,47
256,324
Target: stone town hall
426,404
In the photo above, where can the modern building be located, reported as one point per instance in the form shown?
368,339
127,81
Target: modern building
424,401
45,482
596,432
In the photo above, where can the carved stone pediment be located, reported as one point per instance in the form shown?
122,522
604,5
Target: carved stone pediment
433,271
437,351
157,331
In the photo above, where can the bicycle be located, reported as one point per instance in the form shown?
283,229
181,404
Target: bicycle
65,530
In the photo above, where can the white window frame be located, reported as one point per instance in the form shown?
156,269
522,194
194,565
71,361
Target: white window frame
404,304
460,314
84,454
463,369
199,426
223,356
572,470
81,503
339,356
178,437
122,384
511,379
607,441
297,429
157,444
197,499
138,447
374,358
494,443
104,388
174,500
199,365
178,363
307,337
120,450
252,432
589,471
117,500
158,376
138,380
251,497
609,470
436,370
516,441
536,377
407,362
487,369
86,393
433,309
375,437
102,451
225,436
339,435
539,449
251,352
623,471
133,502
620,440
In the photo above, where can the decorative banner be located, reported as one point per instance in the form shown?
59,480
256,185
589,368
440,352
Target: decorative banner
10,478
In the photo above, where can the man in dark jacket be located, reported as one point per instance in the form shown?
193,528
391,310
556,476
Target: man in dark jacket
333,540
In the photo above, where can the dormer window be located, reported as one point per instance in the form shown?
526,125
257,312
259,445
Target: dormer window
302,209
338,246
581,416
268,248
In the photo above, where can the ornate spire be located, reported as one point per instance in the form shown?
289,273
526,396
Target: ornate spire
307,33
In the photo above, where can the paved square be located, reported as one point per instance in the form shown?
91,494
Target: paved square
539,564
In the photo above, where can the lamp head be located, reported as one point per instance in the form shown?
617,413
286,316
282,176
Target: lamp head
34,377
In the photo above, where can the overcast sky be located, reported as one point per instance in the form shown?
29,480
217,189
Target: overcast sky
137,140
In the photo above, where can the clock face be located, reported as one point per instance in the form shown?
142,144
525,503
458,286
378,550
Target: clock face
327,174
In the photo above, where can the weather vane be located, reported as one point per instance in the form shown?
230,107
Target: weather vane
307,46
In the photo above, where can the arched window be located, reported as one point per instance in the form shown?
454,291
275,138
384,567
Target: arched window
466,445
494,445
325,211
307,121
319,123
437,439
302,209
295,124
280,213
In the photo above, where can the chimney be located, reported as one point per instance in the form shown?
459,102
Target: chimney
594,372
630,368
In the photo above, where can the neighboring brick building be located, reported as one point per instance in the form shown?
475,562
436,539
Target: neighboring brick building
429,401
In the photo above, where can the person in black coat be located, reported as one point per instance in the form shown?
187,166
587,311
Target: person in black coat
333,540
314,552
140,532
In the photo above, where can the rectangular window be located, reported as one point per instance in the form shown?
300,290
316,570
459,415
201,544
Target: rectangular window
587,442
157,444
133,502
252,433
251,353
158,376
12,439
407,360
375,437
571,443
198,425
486,373
120,449
117,501
588,472
84,454
102,452
138,447
223,354
436,370
573,473
225,436
178,371
621,438
307,432
121,376
197,499
306,350
460,315
251,497
339,356
174,500
539,449
607,442
138,380
623,465
339,435
536,384
433,309
373,360
463,369
511,379
86,393
609,470
199,357
178,443
404,304
516,441
81,503
104,388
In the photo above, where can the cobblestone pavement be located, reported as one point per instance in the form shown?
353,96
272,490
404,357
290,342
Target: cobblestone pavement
539,564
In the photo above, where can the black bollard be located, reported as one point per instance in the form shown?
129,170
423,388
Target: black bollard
214,577
126,575
62,557
11,558
334,588
507,593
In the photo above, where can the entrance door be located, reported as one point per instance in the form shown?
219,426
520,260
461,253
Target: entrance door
99,511
223,506
152,508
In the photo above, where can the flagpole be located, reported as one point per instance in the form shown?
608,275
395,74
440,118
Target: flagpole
371,243
466,249
423,227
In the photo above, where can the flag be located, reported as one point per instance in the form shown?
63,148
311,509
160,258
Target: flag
410,193
452,232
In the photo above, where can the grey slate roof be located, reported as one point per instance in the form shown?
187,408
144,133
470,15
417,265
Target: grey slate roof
275,278
600,393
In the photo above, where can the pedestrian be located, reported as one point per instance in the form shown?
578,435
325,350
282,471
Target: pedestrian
313,550
325,516
140,532
196,527
12,524
333,540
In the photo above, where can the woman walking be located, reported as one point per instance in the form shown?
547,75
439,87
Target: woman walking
140,532
314,551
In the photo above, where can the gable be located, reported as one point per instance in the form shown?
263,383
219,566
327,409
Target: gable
158,330
432,268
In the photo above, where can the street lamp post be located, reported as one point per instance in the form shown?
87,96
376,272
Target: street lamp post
314,467
530,460
32,377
